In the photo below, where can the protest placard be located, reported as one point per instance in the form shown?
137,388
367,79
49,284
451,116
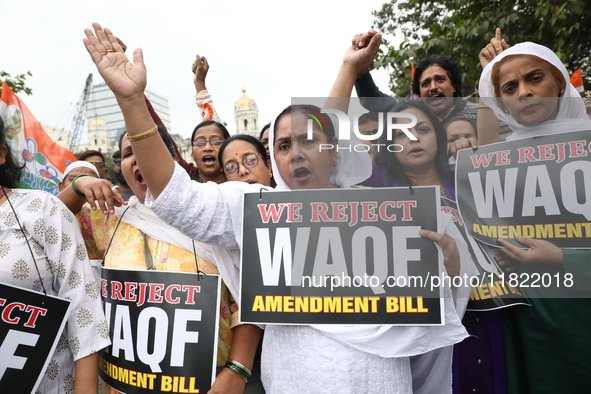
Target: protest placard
537,187
164,330
340,256
493,290
30,327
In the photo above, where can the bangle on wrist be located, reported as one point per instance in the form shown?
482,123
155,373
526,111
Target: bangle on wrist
239,369
142,136
74,186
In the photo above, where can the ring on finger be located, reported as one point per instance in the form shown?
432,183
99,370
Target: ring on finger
115,187
110,50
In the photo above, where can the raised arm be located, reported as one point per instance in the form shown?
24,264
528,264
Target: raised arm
203,97
363,49
127,81
496,46
200,68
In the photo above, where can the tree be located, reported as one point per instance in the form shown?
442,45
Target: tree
460,29
16,83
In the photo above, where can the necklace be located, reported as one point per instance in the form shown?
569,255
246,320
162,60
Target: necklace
448,112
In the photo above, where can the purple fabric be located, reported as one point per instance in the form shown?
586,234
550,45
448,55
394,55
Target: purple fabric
379,178
478,361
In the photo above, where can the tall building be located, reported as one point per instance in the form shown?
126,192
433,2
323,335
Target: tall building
246,113
103,105
98,135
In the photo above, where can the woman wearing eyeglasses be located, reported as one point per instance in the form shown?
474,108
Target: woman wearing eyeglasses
207,138
244,159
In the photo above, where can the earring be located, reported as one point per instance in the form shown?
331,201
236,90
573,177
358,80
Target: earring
505,110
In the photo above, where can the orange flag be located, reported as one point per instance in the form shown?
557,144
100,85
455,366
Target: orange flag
45,160
577,81
412,78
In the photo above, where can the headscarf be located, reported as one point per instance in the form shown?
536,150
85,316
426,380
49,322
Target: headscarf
80,164
383,340
351,168
572,115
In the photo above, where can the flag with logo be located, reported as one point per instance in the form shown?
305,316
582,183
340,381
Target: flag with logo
577,81
412,78
45,160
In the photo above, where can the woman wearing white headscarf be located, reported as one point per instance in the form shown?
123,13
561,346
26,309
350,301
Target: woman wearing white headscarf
570,109
547,345
350,358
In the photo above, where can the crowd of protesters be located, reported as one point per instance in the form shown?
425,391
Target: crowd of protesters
170,215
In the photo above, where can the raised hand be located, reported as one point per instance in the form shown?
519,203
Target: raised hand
496,46
363,50
200,68
127,80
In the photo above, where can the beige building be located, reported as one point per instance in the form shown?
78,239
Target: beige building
98,138
246,113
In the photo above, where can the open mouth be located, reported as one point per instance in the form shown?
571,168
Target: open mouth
301,175
139,179
436,98
208,160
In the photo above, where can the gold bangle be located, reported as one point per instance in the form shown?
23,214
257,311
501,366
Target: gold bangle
142,136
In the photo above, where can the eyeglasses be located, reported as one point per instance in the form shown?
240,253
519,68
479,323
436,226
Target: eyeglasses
97,164
201,143
249,161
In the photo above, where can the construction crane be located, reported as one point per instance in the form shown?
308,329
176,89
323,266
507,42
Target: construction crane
80,114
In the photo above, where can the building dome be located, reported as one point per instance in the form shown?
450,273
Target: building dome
97,123
246,114
244,101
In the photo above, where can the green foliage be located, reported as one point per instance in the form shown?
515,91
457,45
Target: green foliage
460,29
16,83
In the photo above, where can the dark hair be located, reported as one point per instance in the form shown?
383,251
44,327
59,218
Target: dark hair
450,67
165,137
265,127
220,126
372,115
387,159
465,119
117,162
321,121
10,171
84,155
247,138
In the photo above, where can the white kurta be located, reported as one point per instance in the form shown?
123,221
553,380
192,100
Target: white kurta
212,213
60,255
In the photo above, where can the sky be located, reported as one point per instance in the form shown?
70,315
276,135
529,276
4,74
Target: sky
276,50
